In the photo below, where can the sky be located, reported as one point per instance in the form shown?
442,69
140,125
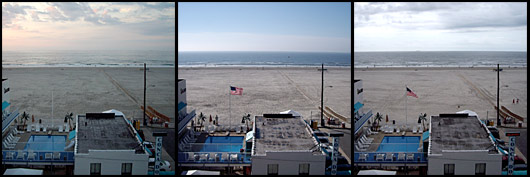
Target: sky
88,26
303,27
440,26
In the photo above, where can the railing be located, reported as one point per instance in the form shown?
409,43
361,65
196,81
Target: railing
38,156
209,147
214,157
182,123
389,157
161,173
360,122
6,121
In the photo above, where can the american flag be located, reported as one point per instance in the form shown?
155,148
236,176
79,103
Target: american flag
410,93
236,90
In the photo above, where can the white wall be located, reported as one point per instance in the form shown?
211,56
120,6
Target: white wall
111,161
358,97
181,94
465,166
5,96
288,163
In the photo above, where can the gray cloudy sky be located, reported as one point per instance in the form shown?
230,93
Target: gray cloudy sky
440,26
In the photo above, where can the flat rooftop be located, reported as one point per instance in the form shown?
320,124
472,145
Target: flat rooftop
102,133
458,132
282,134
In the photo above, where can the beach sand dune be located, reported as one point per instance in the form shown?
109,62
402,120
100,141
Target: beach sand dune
82,90
442,90
265,90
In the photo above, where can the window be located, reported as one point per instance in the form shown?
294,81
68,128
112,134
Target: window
272,169
480,169
303,169
126,168
449,169
95,168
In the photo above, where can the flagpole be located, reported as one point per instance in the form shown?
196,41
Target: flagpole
406,106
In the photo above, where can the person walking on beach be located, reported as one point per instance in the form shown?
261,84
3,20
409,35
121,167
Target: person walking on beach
216,120
517,100
513,101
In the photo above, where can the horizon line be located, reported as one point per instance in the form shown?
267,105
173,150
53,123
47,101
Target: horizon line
86,50
444,51
258,51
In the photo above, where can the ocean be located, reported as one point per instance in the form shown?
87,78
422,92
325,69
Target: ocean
439,59
88,58
262,59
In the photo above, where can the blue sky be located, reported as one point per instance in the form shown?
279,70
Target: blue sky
316,27
88,26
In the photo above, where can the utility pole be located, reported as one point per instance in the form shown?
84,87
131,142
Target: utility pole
322,100
498,119
145,121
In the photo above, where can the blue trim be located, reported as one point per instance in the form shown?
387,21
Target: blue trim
522,172
10,118
425,135
181,105
357,106
162,173
5,104
364,118
71,135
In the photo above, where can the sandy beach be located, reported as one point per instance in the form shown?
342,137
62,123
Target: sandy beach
265,90
81,90
442,90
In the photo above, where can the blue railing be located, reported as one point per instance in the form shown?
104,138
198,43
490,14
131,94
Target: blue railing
522,172
137,135
211,158
162,173
7,121
360,122
39,156
418,157
182,123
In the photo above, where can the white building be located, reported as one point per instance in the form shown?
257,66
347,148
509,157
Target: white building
182,97
284,145
460,144
184,118
107,144
361,115
8,115
358,96
5,96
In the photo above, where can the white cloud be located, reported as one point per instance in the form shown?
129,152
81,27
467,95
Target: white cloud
439,26
74,26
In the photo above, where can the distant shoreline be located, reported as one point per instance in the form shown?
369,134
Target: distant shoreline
436,68
87,66
262,67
